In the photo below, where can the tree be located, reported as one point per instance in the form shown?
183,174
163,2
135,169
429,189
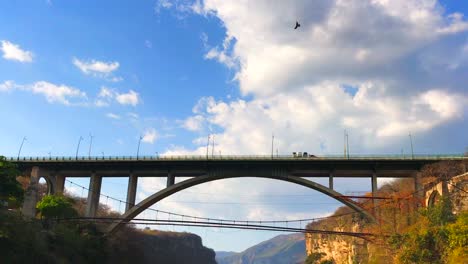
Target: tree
10,188
56,206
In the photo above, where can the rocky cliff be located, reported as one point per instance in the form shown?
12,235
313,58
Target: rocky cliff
151,246
394,215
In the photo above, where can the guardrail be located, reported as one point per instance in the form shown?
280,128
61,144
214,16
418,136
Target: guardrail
236,157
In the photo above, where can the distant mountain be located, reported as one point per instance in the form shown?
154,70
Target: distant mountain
278,250
223,254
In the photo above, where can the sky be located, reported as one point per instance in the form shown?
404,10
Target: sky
174,72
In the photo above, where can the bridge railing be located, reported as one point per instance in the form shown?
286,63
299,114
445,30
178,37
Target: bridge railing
236,157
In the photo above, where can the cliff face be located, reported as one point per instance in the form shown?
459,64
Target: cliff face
134,246
394,217
340,249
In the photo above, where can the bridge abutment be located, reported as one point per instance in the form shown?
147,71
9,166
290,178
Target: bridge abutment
93,195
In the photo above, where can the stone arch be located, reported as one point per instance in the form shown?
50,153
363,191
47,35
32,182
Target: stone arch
158,196
433,198
49,183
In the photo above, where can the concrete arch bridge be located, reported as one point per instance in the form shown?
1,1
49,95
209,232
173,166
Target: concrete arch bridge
205,169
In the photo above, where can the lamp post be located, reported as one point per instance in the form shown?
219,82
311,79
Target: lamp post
138,149
90,144
411,142
207,146
272,144
78,147
21,147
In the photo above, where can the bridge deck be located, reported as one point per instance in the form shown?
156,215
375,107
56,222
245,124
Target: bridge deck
192,166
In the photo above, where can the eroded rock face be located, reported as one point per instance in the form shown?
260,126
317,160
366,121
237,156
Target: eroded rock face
340,249
344,250
151,246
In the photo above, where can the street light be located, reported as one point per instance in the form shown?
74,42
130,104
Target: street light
78,147
138,149
21,146
90,144
411,141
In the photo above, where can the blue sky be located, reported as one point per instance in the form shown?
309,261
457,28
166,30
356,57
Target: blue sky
175,71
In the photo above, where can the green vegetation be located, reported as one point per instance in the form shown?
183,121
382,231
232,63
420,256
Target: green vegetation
406,233
316,258
436,237
56,206
10,188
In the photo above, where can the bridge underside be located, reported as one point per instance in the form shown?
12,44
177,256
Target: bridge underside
174,188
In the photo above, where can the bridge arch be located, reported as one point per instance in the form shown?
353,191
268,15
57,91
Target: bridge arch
158,196
433,198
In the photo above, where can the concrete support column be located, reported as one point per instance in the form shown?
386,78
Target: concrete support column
31,195
170,179
330,180
418,190
59,184
93,195
374,192
131,191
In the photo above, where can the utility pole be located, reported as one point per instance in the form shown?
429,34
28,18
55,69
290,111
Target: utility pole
138,149
411,142
78,147
90,144
21,147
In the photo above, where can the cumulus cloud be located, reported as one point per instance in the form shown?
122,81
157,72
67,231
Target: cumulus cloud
391,51
53,93
130,98
95,66
150,136
13,51
107,95
113,116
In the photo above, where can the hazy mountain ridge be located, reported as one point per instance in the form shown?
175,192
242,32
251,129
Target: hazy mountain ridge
278,250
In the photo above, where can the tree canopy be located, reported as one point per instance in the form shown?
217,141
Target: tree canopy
10,188
56,206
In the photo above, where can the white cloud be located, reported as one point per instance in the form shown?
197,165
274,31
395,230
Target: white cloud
56,93
194,123
14,52
107,95
52,92
7,86
96,67
113,116
130,98
150,136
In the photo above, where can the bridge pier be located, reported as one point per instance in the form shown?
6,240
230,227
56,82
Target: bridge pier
418,189
131,191
93,195
374,192
330,180
170,179
31,194
59,184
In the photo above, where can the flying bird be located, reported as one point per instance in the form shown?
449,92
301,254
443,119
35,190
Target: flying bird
297,25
